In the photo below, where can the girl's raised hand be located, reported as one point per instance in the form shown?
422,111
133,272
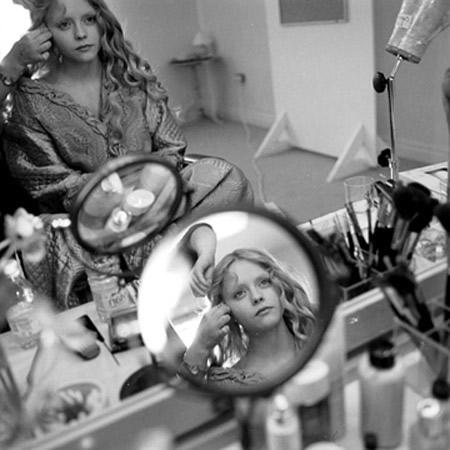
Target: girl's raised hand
31,48
213,326
201,275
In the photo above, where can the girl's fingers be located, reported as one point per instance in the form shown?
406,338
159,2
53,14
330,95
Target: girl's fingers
220,310
44,37
223,320
45,46
45,56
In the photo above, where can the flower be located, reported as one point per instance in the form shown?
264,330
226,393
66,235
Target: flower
25,232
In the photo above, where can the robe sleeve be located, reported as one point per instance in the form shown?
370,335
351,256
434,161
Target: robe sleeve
167,137
35,163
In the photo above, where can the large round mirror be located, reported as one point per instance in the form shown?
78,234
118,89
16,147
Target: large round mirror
129,200
236,302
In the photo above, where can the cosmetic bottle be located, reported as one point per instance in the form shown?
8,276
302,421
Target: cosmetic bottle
381,377
251,414
107,293
309,393
429,430
332,352
370,441
441,392
21,314
282,425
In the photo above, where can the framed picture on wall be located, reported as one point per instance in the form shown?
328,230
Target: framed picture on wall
313,11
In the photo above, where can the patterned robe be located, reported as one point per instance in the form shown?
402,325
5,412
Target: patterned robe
54,145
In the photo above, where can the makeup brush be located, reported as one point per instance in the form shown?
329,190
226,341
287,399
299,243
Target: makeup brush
384,226
405,202
442,212
416,226
402,280
410,202
424,206
356,227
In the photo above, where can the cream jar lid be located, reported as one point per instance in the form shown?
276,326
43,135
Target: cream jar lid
138,201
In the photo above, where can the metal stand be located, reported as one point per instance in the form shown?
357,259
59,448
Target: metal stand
380,83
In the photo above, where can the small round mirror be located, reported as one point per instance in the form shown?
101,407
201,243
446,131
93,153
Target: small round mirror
267,303
129,200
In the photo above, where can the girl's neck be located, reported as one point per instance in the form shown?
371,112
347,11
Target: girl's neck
277,345
70,72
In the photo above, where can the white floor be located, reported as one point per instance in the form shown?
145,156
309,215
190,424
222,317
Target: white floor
294,179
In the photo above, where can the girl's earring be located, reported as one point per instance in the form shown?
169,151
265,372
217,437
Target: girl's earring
57,54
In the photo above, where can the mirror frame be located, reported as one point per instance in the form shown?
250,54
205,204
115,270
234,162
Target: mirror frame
328,299
106,170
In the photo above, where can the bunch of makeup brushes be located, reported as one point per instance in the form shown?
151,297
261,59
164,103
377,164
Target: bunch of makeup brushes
377,233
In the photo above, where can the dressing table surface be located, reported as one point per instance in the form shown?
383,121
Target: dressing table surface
67,367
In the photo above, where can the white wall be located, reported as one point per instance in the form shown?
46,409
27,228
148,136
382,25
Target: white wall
14,21
161,30
422,132
322,77
239,28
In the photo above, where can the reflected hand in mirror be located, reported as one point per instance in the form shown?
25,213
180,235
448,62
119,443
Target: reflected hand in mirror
267,299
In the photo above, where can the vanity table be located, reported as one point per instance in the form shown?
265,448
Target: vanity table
192,417
104,369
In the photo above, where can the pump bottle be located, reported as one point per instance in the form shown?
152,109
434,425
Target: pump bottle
381,377
282,426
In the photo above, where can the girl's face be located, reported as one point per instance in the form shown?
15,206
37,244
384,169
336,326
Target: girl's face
76,34
254,301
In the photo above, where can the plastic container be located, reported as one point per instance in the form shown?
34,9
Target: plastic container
381,377
309,393
21,315
107,293
282,426
104,289
138,201
429,431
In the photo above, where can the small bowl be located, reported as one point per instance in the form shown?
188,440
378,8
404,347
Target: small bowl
71,404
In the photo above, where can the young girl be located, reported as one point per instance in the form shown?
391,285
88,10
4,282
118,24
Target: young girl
260,318
91,98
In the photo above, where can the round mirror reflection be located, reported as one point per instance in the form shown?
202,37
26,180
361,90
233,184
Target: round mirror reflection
128,201
263,313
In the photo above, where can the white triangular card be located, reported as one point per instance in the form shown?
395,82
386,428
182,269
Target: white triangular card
357,157
280,137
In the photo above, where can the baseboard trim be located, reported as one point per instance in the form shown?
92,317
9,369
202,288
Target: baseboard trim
251,117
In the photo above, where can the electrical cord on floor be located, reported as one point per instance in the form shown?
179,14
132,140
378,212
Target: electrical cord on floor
248,139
